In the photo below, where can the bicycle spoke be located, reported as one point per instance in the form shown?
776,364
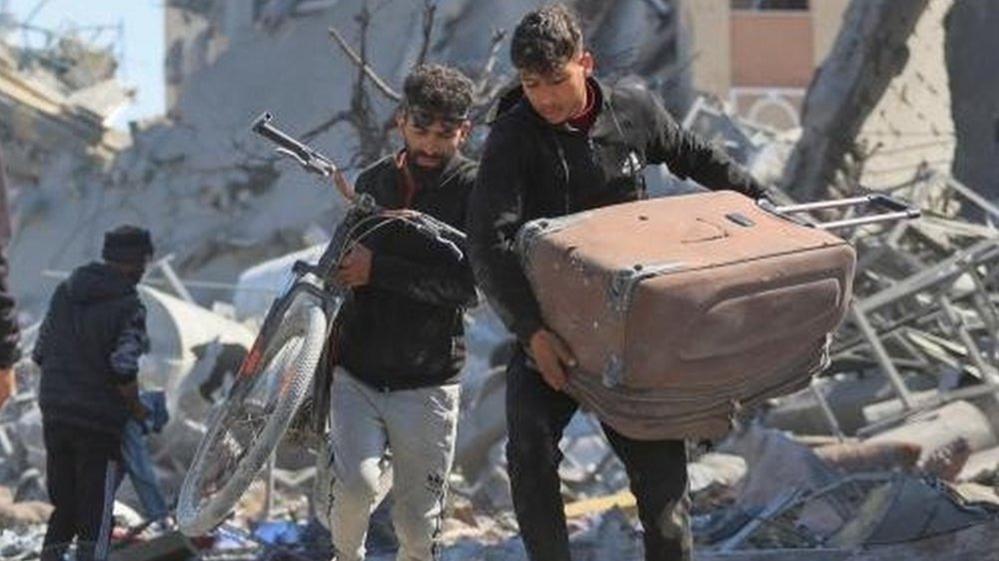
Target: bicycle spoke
254,417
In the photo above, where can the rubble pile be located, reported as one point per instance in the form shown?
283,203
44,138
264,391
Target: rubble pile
893,452
55,99
893,449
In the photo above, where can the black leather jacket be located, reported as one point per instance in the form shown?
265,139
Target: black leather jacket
404,329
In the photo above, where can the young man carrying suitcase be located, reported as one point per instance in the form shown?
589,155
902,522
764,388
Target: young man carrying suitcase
399,347
563,143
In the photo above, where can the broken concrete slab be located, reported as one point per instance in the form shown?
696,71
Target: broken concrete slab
981,467
975,543
775,463
21,514
941,427
857,457
970,26
905,509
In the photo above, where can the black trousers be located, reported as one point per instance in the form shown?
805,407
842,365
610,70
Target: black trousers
82,469
657,470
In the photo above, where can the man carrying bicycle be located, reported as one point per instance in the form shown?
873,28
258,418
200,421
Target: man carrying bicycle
399,343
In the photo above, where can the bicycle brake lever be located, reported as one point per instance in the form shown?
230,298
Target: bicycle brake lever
434,232
443,227
285,152
452,247
318,166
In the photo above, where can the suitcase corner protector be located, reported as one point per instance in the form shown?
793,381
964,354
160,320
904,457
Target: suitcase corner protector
533,229
624,282
613,374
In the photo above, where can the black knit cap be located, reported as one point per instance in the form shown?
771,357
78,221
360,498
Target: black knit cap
127,244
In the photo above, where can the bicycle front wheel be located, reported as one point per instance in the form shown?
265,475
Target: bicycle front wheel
244,430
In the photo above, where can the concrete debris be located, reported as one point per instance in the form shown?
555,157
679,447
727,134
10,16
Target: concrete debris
981,467
943,433
838,489
55,100
853,457
23,543
862,512
23,513
774,463
217,198
893,453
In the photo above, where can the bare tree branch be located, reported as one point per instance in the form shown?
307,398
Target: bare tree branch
487,69
869,51
386,90
429,10
363,19
372,135
343,116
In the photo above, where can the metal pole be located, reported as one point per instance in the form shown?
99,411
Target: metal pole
956,324
881,355
173,279
837,203
827,411
974,197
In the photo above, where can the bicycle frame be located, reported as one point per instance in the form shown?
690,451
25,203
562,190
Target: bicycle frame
318,279
264,404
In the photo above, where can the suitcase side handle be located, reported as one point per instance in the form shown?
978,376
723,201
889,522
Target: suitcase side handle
887,209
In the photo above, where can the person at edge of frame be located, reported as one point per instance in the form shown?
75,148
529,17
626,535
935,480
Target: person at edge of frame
10,332
88,349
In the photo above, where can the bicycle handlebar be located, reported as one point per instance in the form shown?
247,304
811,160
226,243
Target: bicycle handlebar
315,162
310,159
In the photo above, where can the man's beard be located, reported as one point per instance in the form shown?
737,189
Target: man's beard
413,157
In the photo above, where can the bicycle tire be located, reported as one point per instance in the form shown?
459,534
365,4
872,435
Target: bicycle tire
283,377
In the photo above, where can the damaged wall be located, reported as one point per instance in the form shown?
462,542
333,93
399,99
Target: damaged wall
911,125
759,57
870,50
55,100
211,193
193,41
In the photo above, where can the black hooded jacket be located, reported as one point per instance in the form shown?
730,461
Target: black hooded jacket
531,169
404,329
89,345
10,333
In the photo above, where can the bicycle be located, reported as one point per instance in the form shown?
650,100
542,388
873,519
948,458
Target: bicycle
244,429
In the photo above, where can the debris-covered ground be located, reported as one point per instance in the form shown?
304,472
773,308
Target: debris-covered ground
892,453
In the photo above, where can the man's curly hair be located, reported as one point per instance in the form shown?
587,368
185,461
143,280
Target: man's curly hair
433,92
545,39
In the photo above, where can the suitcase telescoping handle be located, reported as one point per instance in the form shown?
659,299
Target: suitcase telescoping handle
888,209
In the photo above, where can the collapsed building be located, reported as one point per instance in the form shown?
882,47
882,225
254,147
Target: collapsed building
216,198
58,99
892,452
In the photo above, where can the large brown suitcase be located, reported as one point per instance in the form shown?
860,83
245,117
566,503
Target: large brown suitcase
653,414
679,309
686,292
